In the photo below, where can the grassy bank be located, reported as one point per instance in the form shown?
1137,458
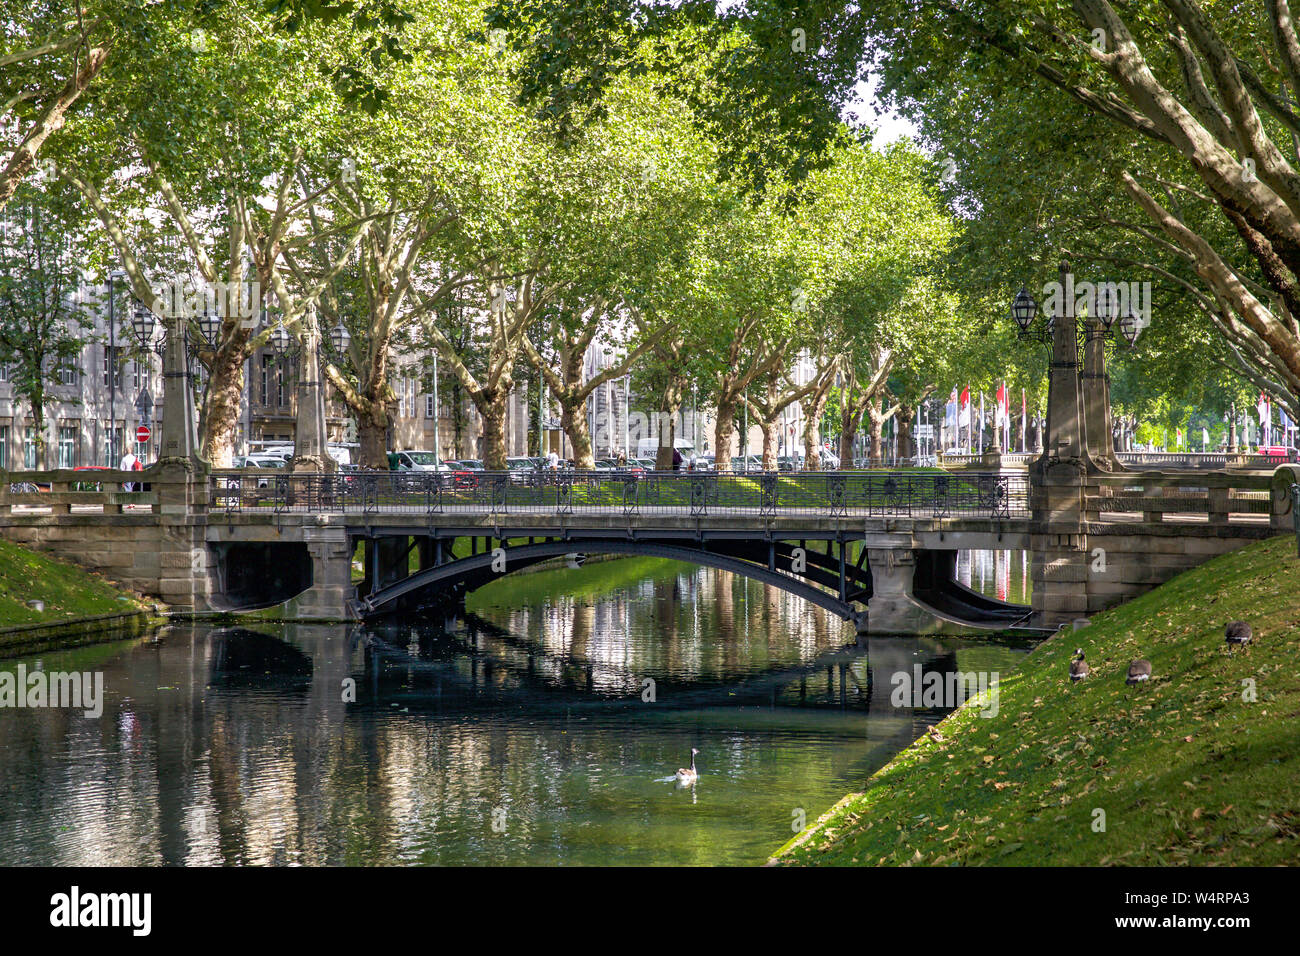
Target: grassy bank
1184,769
68,591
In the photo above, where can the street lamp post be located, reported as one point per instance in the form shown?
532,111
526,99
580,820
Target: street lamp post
111,365
1069,420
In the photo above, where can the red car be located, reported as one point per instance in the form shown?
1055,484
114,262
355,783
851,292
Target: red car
1281,452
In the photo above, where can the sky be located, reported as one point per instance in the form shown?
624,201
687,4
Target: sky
889,126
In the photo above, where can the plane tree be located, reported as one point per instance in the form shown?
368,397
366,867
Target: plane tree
654,177
209,147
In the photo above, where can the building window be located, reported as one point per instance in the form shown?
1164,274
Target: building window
429,410
4,371
272,381
29,449
113,445
67,373
4,447
406,397
67,446
112,359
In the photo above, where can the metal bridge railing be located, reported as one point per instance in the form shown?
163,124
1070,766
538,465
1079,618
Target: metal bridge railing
927,494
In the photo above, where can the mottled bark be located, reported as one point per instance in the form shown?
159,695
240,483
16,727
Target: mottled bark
372,434
573,419
813,408
875,433
491,404
770,429
723,433
849,422
224,397
906,446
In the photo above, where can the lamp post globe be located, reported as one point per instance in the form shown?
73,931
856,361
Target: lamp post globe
1107,305
1023,309
1129,328
142,322
210,328
280,340
340,338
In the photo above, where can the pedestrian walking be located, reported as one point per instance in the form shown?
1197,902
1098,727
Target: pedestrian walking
129,463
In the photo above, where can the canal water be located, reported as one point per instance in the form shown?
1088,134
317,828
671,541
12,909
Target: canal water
545,729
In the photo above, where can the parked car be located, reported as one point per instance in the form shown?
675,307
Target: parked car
1280,452
415,461
261,461
282,452
524,471
412,463
612,464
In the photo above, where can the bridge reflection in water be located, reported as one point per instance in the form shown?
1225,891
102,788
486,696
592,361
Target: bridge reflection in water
236,745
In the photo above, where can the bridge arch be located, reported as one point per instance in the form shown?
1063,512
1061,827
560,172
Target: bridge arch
472,572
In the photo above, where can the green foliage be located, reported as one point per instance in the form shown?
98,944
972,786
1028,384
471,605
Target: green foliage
43,314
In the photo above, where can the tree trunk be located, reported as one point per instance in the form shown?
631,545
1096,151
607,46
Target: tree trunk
573,419
221,412
813,408
667,436
906,447
849,420
491,405
769,443
723,432
875,433
372,434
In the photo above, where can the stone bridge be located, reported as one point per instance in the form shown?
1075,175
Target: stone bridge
877,548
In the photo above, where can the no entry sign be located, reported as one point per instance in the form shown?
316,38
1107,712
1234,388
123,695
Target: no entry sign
142,434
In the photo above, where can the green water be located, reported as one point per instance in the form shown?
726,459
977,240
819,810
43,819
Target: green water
528,734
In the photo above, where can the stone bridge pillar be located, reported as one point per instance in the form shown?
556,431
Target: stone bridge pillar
1057,478
892,609
181,485
183,563
310,442
1096,400
331,590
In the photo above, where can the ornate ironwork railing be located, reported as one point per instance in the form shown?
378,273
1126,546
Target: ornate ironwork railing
930,494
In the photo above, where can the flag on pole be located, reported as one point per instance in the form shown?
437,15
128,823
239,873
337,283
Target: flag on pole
1205,438
963,415
1265,418
1024,409
950,419
1003,413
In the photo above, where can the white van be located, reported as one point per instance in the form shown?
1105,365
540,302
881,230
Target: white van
649,447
